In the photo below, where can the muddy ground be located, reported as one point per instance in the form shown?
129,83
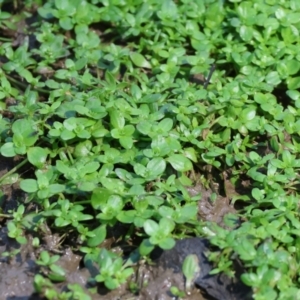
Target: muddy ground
153,280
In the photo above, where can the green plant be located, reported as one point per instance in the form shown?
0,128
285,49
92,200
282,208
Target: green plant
45,288
112,271
111,109
159,235
15,226
191,270
52,270
78,292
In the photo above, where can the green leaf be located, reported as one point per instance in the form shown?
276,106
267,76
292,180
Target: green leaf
145,247
87,186
25,74
168,10
156,166
111,283
57,270
167,243
56,188
126,216
66,23
214,15
191,154
21,240
251,279
165,125
25,129
190,269
99,235
294,95
273,78
139,60
126,142
29,185
8,150
151,227
56,278
293,66
248,114
90,167
116,119
83,149
100,196
246,33
144,127
293,83
45,257
166,226
257,194
37,156
113,184
180,163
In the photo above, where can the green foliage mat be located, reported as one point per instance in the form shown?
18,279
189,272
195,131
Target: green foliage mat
99,102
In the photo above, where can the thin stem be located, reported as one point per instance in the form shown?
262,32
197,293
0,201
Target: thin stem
83,202
98,74
61,196
212,69
6,216
3,39
14,169
69,154
24,86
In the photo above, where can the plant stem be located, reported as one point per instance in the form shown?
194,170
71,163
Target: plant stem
3,39
83,202
69,154
5,216
22,163
24,86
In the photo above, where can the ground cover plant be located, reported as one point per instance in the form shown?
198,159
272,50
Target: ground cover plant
112,109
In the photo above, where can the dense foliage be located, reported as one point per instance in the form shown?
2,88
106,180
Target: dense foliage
107,105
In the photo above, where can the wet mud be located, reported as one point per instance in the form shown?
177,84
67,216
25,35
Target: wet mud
210,209
218,286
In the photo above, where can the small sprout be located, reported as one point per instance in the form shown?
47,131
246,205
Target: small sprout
191,271
78,292
113,272
36,242
213,197
11,254
14,231
49,268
